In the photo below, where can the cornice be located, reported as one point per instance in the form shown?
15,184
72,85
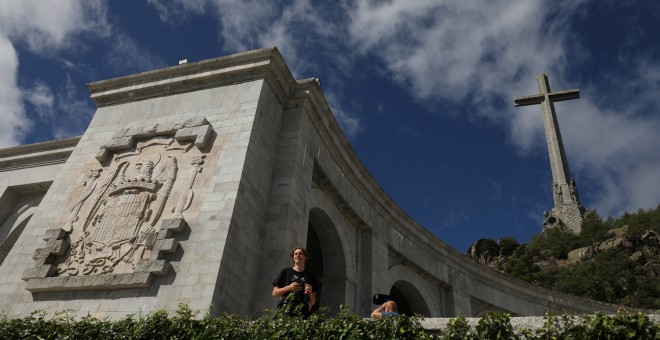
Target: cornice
37,154
265,63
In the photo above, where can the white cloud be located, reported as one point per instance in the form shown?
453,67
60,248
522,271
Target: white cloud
44,27
127,56
47,24
617,152
294,27
242,32
40,96
175,12
350,124
304,26
238,30
452,49
487,53
291,27
75,111
483,54
12,114
65,112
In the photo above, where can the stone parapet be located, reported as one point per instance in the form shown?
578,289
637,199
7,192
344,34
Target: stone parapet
439,325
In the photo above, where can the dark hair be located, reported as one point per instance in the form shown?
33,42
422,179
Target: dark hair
303,250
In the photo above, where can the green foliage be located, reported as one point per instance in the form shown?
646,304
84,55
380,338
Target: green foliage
507,245
458,329
557,241
521,264
603,279
486,247
185,325
593,229
278,325
598,326
641,221
495,326
610,276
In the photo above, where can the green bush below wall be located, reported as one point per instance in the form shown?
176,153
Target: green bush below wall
276,325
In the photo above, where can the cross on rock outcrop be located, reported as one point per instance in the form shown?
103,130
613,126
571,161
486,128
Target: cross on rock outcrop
567,209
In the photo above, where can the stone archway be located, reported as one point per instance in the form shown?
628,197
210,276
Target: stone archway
23,208
409,299
8,243
12,228
326,259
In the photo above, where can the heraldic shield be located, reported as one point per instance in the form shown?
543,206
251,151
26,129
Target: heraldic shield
122,219
118,227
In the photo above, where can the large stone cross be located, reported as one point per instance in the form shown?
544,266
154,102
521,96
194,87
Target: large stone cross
565,193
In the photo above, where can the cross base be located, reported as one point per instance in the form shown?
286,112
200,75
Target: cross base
569,216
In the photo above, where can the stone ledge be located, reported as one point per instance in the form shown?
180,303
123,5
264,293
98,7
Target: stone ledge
41,277
93,282
198,135
439,325
196,130
171,226
39,271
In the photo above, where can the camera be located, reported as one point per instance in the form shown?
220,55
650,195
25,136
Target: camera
301,280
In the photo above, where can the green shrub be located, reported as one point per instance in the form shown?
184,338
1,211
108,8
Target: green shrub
507,245
495,326
276,325
593,230
458,329
609,276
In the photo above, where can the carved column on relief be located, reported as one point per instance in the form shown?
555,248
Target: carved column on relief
187,195
73,214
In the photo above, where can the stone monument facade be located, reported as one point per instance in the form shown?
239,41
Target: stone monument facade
567,210
192,184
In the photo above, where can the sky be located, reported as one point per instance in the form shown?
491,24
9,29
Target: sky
422,89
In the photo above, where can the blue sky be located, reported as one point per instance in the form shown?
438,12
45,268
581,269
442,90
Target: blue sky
422,89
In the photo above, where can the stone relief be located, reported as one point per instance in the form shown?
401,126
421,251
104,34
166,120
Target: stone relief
567,212
119,227
556,190
122,219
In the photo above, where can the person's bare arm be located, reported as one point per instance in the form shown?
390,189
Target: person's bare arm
311,294
376,314
294,286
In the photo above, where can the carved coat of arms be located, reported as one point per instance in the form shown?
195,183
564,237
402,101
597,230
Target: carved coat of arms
120,225
121,221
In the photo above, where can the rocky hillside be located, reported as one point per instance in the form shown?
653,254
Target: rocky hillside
616,260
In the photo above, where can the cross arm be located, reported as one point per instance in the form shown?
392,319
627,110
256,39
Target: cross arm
554,97
564,95
529,100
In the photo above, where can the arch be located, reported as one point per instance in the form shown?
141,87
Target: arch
481,308
409,299
15,226
327,260
414,289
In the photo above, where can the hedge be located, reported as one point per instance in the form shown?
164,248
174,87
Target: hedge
276,325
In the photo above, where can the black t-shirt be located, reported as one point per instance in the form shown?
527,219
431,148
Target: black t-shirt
289,275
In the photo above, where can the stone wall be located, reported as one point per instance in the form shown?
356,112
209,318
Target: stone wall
438,325
192,184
